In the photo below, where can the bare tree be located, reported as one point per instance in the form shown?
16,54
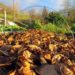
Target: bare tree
32,13
15,8
44,12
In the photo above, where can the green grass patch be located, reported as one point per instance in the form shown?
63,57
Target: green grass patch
11,28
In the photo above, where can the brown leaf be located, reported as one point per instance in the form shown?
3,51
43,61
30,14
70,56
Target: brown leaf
52,47
10,39
67,71
47,56
56,58
17,46
12,73
1,42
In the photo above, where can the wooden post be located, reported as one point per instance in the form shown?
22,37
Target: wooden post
5,17
13,10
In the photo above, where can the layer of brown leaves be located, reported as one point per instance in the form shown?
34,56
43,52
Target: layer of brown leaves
21,53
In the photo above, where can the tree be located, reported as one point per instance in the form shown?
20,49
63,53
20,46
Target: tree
15,8
71,16
44,12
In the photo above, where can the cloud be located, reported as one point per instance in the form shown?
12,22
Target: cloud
61,4
30,2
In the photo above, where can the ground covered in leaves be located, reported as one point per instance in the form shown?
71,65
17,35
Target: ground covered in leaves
36,52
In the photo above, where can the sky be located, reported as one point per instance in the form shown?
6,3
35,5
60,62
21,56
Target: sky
53,4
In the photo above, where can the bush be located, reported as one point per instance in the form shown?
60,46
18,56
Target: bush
33,24
73,27
56,18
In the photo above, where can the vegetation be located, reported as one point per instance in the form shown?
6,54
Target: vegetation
73,27
33,41
8,28
56,19
48,21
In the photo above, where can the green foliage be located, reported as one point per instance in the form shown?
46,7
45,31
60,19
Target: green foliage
1,15
10,28
34,24
37,24
52,22
49,27
56,18
62,30
71,16
9,17
73,27
22,16
53,28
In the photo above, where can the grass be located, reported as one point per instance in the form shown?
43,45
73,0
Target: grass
11,28
9,16
17,17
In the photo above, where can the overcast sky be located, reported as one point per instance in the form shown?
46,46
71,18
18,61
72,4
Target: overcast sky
54,4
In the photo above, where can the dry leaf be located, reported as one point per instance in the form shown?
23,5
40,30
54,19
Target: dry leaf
12,73
16,46
47,56
25,71
27,54
52,47
42,60
34,47
56,58
1,42
10,39
67,71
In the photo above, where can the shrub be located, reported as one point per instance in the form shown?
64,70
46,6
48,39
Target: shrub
56,18
34,24
73,27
